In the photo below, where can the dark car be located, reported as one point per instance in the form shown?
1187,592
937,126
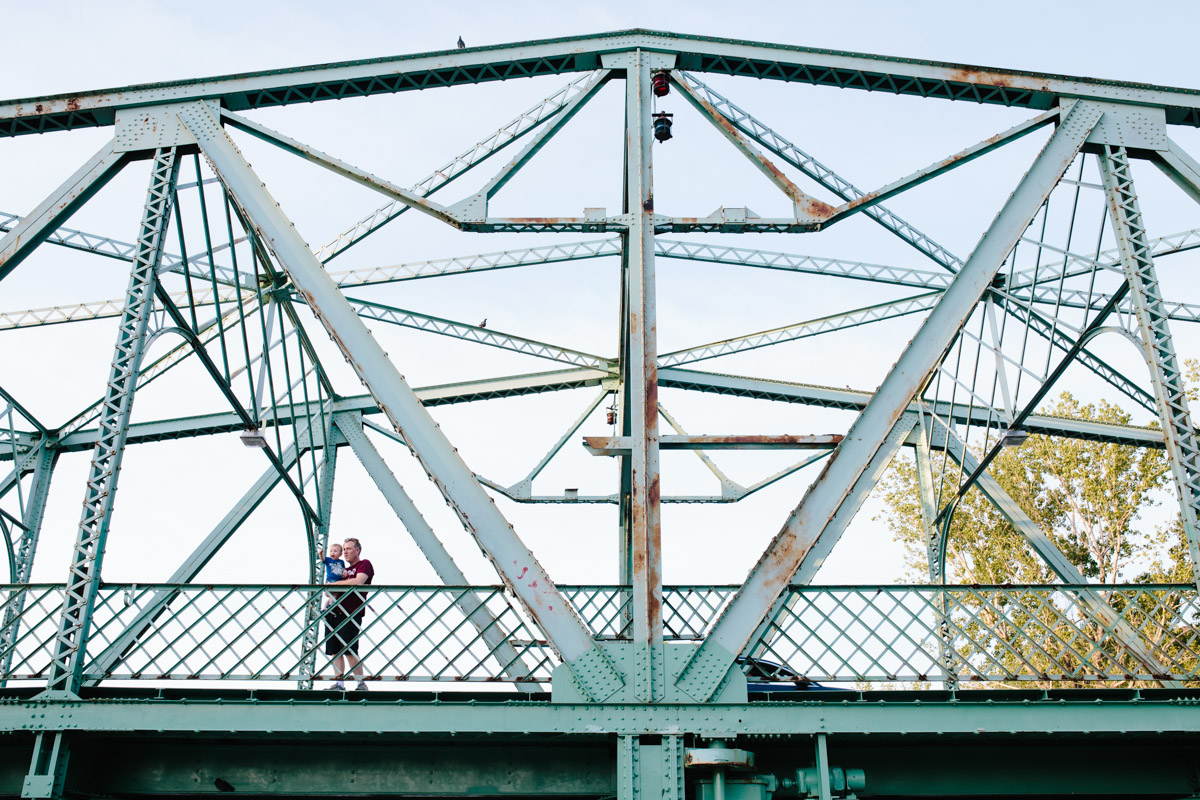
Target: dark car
767,676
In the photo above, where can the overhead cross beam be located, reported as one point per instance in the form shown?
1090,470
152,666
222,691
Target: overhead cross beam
367,77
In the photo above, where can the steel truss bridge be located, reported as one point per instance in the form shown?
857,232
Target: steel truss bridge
634,690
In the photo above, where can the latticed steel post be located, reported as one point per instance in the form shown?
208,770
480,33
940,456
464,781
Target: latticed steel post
1170,393
83,579
312,609
35,508
935,550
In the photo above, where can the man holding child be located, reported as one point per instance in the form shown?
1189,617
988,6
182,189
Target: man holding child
343,618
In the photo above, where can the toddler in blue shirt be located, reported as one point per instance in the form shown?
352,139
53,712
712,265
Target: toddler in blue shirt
334,566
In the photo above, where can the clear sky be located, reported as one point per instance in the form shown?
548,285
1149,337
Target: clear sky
171,494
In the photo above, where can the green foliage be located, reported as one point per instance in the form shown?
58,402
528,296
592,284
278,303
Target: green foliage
1087,497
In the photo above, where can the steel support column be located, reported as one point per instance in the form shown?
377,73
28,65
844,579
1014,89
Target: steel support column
478,513
48,766
786,552
316,571
83,578
650,771
1170,390
641,377
33,513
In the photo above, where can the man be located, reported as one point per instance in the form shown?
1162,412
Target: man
343,621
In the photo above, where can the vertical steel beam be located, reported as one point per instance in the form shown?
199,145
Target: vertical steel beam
316,572
1170,390
641,376
870,431
439,558
517,567
83,578
34,512
650,771
629,768
58,207
935,550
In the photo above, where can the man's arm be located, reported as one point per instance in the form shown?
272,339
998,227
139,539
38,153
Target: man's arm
357,580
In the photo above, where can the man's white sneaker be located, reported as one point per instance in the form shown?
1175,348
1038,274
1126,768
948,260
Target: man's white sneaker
338,686
361,687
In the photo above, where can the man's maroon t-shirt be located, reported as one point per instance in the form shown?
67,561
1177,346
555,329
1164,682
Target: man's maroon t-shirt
352,601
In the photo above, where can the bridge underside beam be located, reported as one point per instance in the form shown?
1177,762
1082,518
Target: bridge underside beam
283,743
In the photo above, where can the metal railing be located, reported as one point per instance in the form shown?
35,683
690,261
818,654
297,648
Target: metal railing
429,634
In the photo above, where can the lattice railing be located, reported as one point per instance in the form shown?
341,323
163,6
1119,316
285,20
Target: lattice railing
436,634
992,633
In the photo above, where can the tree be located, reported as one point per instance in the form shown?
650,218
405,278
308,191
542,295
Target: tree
1089,498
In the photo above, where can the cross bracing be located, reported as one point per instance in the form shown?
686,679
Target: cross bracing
227,304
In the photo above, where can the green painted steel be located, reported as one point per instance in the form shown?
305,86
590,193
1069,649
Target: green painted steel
527,687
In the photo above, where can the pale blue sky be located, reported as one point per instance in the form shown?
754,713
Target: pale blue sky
77,46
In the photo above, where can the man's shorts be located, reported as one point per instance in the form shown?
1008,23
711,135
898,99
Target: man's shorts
342,638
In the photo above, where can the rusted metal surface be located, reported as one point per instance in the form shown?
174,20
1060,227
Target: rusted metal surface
641,375
806,205
620,445
875,425
551,56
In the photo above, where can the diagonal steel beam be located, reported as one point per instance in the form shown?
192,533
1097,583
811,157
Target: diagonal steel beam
825,176
339,167
456,167
761,637
516,565
942,166
474,333
802,330
475,206
803,529
805,206
58,207
1180,167
511,663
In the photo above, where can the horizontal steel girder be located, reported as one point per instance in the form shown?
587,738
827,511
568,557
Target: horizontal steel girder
578,53
969,713
620,445
538,383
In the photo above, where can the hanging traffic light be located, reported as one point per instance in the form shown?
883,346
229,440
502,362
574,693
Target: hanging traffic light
660,82
662,126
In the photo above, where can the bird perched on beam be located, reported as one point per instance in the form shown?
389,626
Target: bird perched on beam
461,43
484,323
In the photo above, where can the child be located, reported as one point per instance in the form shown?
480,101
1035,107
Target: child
334,566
